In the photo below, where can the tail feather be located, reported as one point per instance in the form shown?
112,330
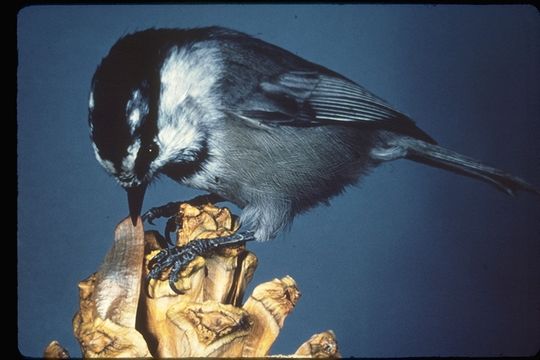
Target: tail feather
440,157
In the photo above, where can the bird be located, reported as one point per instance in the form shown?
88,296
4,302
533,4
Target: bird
248,122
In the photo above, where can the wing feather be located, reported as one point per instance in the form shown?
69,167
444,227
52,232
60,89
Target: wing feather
311,98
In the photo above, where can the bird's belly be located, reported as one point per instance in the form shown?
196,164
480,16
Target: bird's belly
298,166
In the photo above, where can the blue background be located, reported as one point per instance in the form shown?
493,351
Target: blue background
414,261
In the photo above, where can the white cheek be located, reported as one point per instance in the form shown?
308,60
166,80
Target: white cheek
177,138
190,72
177,144
187,99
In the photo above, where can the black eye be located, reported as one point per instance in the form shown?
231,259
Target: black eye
152,148
146,155
152,151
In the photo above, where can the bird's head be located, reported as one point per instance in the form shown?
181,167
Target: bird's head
135,135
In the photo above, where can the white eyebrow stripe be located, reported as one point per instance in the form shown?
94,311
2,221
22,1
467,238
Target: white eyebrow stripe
134,119
136,110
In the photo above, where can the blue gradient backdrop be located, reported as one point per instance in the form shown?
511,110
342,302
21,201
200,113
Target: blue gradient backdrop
414,261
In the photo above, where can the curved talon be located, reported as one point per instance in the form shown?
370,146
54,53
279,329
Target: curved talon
149,216
167,210
177,258
154,262
171,208
173,276
155,272
174,288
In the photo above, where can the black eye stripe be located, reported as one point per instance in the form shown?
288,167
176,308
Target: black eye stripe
147,153
152,150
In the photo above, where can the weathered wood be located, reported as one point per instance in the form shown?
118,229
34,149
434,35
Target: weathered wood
321,345
55,351
118,280
105,323
268,306
116,319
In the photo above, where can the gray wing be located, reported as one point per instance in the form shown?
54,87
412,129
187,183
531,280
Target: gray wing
300,98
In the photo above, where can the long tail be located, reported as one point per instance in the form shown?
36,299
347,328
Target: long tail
440,157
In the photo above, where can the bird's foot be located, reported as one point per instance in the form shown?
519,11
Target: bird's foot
171,209
177,258
168,210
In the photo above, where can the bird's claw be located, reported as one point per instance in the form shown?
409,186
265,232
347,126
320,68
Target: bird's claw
167,210
171,209
148,217
178,257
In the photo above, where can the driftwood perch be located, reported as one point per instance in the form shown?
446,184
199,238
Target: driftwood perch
118,317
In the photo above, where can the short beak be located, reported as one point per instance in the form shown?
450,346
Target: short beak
135,201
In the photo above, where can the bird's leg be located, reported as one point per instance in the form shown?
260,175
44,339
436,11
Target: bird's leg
177,258
170,209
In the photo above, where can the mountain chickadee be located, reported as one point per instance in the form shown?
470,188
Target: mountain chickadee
249,122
